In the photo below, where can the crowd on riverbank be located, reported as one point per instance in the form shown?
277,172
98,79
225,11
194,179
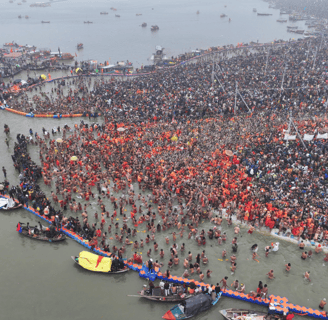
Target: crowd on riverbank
191,91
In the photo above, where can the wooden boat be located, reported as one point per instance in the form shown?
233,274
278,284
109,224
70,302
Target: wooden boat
264,14
154,28
144,25
45,21
113,9
9,204
191,307
79,46
117,16
223,15
240,314
138,14
19,17
42,236
93,262
103,12
282,20
292,27
158,295
88,22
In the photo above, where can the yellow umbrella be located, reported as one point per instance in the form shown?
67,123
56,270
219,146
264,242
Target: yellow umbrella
60,140
43,76
74,158
77,70
174,138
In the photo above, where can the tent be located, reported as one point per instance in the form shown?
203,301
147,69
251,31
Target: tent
197,304
94,262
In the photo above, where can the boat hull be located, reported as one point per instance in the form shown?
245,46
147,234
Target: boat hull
59,238
126,269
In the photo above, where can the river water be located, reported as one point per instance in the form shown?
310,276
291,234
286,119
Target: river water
39,280
114,39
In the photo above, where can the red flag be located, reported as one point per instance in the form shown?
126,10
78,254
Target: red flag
19,228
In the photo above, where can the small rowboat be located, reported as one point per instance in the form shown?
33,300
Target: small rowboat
41,236
242,314
158,295
9,204
93,262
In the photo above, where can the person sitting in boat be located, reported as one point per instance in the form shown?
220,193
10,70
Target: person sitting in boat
115,264
36,230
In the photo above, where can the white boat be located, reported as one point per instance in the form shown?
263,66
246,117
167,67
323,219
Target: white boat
243,314
8,204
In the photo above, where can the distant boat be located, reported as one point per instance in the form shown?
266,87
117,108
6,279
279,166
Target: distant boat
154,28
79,46
138,14
144,25
197,12
282,20
292,27
223,15
264,14
45,21
26,17
117,16
103,12
19,17
23,0
88,22
113,9
254,10
19,3
11,1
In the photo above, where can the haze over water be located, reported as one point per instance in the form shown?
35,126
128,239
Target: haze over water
114,39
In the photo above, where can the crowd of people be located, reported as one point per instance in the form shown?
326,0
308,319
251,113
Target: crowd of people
268,77
178,135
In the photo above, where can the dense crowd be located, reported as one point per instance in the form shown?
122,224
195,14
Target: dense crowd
273,77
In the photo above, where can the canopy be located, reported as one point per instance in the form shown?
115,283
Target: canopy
308,137
196,304
289,137
78,69
74,158
94,262
7,203
322,136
